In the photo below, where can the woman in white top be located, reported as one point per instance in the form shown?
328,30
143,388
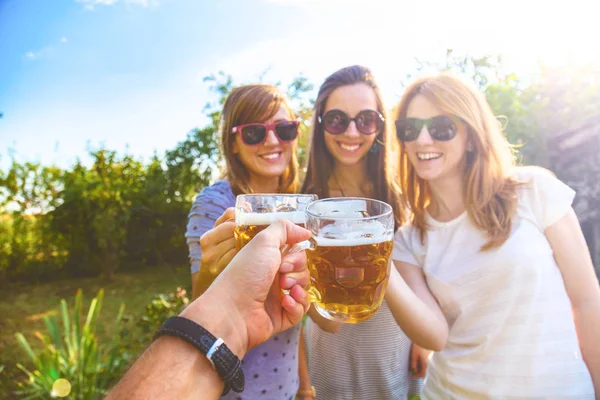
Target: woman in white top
502,283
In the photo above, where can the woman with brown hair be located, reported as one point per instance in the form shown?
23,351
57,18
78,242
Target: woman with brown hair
258,140
502,283
352,155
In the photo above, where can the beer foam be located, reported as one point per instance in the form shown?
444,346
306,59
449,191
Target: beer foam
337,209
349,234
257,219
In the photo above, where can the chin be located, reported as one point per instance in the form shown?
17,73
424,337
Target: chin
428,175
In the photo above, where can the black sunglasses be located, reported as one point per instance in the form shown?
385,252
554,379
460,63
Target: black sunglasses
441,128
367,121
253,134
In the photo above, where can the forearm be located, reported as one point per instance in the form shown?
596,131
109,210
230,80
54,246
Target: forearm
587,322
173,368
303,375
170,368
423,325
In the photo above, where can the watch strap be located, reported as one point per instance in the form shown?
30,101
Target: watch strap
227,364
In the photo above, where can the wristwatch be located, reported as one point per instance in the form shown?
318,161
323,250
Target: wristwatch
227,365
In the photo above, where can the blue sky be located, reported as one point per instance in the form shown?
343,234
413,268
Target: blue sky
128,73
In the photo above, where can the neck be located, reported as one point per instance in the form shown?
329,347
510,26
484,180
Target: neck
350,180
264,185
447,198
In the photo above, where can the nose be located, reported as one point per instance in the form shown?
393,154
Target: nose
424,136
352,131
271,138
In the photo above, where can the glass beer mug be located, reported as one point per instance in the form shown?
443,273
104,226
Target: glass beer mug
349,256
255,212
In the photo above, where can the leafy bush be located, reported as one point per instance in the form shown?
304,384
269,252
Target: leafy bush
71,351
138,332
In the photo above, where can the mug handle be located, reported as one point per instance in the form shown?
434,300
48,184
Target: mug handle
309,244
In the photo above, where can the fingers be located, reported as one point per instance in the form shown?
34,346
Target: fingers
414,363
293,262
295,304
226,216
293,271
284,232
217,235
420,368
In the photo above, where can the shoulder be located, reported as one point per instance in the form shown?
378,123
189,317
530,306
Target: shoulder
542,195
532,175
219,191
407,244
539,181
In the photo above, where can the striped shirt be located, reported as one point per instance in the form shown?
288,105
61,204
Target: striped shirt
365,361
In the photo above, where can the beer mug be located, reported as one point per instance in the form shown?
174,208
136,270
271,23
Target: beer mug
255,212
349,257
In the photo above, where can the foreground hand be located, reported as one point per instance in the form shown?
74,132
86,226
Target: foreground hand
419,360
249,290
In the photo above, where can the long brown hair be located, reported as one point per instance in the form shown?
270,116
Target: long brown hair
247,104
380,164
489,182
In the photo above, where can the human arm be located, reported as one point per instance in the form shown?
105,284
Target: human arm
305,389
244,306
414,308
573,259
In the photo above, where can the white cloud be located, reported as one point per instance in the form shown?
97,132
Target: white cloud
64,40
91,4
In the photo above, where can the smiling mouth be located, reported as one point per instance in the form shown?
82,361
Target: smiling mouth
271,156
428,156
349,147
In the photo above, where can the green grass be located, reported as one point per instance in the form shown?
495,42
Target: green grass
23,306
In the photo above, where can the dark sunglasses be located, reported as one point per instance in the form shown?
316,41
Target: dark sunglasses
253,134
367,121
441,128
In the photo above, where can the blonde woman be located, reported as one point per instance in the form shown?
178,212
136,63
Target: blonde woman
502,282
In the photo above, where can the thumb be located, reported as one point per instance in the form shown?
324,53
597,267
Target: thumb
286,232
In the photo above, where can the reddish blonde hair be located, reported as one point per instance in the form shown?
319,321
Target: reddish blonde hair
489,184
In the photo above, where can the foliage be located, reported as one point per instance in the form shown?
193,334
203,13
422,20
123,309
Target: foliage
138,332
119,212
71,351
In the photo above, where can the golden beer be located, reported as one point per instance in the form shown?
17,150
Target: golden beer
349,279
349,256
254,213
249,225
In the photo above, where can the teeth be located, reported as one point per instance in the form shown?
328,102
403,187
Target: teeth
349,147
271,156
428,156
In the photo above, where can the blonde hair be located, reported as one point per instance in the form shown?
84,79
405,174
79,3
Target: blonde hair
247,104
489,184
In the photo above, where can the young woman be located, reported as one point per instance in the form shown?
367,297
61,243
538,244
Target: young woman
350,154
259,146
495,254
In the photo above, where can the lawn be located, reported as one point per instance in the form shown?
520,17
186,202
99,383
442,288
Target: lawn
22,308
